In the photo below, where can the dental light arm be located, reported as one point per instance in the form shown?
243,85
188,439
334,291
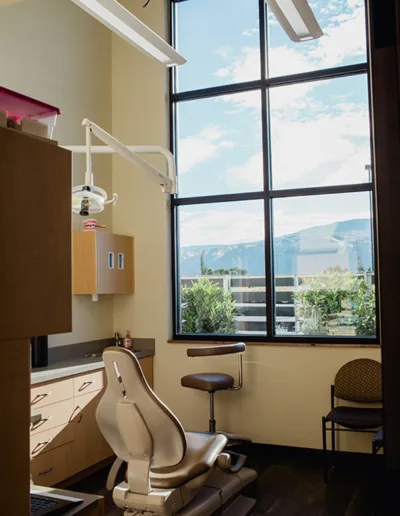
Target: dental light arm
89,199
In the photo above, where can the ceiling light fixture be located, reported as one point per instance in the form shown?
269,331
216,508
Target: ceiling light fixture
114,16
296,18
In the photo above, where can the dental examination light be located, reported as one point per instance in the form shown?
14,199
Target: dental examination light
89,199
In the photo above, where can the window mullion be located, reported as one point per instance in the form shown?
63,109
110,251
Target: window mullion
269,275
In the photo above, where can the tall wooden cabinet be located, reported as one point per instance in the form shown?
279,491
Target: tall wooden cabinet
103,263
35,279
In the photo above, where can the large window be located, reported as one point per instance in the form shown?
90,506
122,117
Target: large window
274,216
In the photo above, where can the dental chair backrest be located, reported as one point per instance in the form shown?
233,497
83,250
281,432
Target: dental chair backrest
126,382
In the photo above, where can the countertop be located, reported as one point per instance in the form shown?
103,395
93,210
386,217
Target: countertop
73,366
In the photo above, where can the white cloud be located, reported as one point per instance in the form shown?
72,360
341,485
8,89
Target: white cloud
212,226
250,173
223,51
249,32
202,147
346,39
307,152
244,67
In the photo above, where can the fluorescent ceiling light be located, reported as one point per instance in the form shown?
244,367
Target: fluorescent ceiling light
296,18
114,16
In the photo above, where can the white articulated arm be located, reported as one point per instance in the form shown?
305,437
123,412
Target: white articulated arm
130,153
139,444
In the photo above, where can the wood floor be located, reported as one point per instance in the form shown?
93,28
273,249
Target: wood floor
290,483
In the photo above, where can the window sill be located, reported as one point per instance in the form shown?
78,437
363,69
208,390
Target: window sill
278,344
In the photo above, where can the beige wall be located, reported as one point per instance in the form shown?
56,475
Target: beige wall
286,389
52,50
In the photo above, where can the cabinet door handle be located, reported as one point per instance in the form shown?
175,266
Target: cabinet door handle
111,260
121,261
40,397
45,471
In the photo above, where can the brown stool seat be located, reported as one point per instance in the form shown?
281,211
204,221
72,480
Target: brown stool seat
209,382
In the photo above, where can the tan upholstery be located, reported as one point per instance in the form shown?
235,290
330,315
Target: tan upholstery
207,351
209,382
360,381
125,381
138,426
201,453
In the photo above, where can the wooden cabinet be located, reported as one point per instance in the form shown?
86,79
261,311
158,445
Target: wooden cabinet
35,236
103,263
68,440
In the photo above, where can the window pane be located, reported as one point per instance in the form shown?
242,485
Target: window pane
343,42
219,145
324,266
320,133
220,40
222,268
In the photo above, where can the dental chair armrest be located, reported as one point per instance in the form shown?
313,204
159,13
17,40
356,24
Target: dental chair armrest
224,462
225,349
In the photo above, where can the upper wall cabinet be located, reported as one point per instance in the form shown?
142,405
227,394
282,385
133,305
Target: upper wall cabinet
35,237
103,263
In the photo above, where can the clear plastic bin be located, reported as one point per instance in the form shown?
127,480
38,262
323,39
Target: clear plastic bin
19,107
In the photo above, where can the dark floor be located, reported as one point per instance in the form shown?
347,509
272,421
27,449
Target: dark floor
290,483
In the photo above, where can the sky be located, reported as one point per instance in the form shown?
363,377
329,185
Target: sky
319,130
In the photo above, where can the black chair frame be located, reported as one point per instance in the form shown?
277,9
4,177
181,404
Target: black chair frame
333,429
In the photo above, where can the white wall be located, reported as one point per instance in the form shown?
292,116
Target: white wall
286,388
53,51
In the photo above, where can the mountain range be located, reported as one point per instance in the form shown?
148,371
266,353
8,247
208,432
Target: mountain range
309,251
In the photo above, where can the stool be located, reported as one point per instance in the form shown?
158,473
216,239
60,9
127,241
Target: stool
213,382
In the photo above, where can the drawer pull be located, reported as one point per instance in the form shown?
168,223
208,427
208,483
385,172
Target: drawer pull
45,471
40,397
40,423
41,445
80,416
85,385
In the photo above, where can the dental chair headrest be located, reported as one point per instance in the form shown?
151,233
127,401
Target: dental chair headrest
125,380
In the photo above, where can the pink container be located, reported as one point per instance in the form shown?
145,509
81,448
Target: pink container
18,107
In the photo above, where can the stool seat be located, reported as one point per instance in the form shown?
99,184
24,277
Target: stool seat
209,382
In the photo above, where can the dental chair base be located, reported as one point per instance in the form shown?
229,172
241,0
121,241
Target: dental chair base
221,491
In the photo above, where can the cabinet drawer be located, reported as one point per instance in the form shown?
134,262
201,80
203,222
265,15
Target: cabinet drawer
49,393
88,382
51,467
54,415
45,441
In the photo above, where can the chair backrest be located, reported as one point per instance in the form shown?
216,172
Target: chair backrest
126,381
359,380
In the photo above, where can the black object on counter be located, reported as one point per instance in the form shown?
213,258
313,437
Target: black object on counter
39,351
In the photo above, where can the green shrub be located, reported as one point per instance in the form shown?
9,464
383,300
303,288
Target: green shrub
208,308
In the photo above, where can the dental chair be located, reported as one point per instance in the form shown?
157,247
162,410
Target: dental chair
169,471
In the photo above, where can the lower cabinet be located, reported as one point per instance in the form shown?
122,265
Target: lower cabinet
67,440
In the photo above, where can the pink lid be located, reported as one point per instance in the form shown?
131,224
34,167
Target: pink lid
20,106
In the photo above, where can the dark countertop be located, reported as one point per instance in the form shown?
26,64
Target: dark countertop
73,366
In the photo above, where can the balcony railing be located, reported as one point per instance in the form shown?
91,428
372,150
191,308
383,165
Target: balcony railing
249,293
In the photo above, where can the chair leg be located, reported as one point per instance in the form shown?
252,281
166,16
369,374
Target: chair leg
212,423
325,451
333,444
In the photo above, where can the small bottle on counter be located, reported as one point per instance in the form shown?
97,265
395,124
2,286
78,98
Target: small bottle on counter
128,340
117,339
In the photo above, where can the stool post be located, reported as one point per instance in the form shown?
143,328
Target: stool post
212,419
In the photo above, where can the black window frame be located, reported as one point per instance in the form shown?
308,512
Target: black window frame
263,85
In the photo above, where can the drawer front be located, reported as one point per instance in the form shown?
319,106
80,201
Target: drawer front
89,382
54,392
54,415
45,441
51,467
